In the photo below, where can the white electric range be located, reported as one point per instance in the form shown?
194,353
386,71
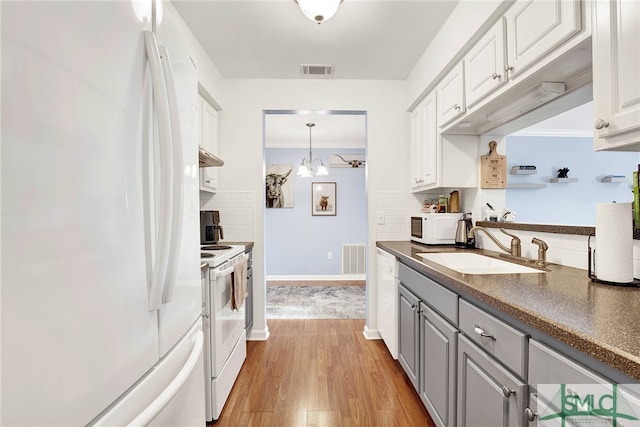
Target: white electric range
216,254
225,342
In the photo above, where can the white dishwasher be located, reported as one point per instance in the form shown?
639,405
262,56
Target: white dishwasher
387,277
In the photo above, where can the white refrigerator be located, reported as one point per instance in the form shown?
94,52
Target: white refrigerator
101,290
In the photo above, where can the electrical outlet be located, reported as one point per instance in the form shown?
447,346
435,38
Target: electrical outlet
380,217
329,255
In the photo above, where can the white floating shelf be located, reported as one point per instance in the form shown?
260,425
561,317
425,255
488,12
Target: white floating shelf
614,178
563,180
527,185
523,170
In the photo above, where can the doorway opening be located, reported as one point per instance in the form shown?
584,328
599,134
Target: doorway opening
316,233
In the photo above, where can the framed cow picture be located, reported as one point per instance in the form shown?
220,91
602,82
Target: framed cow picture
279,186
323,198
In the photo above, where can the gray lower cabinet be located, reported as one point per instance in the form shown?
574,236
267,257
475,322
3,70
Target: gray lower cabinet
408,337
438,358
488,394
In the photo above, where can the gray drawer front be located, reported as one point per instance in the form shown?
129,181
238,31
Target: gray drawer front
547,366
509,345
435,295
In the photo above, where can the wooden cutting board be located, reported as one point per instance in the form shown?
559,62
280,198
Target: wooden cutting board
493,169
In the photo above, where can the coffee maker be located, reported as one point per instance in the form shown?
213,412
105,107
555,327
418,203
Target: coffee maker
210,229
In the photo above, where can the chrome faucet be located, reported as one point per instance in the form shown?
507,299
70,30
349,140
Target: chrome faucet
516,245
542,251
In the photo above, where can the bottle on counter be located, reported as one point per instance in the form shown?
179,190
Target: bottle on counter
442,203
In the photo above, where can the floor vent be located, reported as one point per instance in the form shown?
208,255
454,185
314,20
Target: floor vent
353,258
316,71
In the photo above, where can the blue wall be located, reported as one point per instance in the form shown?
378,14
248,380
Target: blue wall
568,203
296,242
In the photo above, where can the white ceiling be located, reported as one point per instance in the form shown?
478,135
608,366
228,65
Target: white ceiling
270,39
366,39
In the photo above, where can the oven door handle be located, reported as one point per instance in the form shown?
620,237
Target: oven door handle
224,273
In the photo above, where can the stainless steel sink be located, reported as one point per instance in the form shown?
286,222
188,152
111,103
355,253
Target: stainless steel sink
472,263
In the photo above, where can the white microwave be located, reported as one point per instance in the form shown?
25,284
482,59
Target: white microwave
434,228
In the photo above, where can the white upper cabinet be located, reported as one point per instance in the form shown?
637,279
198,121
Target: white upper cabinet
536,27
209,140
450,94
616,74
484,65
424,141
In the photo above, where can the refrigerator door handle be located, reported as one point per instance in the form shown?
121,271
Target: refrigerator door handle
164,215
177,179
150,412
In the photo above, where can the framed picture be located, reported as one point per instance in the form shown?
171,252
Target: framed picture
279,186
323,198
347,161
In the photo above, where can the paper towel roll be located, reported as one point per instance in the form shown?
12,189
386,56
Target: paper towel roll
614,242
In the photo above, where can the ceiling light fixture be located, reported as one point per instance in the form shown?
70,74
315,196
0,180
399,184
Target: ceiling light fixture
319,10
306,166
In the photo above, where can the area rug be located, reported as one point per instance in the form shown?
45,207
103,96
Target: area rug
316,302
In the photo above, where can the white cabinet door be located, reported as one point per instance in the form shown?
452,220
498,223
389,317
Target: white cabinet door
484,65
416,148
424,151
209,140
451,95
536,27
616,74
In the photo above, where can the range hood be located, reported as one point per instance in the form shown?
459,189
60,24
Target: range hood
206,159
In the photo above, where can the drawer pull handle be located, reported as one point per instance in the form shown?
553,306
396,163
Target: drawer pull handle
506,391
482,333
531,416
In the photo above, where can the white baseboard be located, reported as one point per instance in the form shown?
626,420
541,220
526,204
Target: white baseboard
304,278
258,334
371,334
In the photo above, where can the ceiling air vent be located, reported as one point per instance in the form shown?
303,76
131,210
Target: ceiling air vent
316,71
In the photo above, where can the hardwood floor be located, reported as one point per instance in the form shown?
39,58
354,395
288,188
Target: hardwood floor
321,373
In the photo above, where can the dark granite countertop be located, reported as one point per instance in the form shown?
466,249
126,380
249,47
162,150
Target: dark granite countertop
601,321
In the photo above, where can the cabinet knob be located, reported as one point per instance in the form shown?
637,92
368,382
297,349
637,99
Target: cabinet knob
508,68
208,181
530,415
495,76
506,391
478,330
456,107
599,124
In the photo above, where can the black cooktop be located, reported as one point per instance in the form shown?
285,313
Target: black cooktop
215,247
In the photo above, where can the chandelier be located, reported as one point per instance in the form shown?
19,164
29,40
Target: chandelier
306,166
319,10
